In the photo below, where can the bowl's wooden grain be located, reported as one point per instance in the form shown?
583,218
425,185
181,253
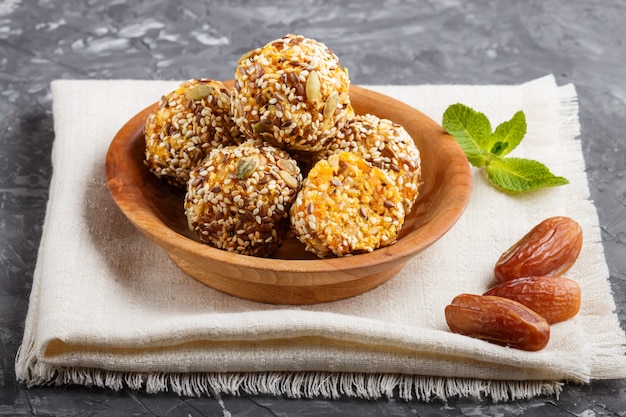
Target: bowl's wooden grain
294,276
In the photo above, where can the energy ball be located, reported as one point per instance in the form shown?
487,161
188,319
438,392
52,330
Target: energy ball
238,198
292,93
346,206
188,123
384,144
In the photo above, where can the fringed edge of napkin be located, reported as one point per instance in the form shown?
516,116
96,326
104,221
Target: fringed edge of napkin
304,384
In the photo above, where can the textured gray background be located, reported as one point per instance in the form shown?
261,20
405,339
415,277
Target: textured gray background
381,42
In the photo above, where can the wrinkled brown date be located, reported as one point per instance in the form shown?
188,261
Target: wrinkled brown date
498,320
550,248
554,298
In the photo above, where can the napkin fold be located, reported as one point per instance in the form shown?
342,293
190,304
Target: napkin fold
108,308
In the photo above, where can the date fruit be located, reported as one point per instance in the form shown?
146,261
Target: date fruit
497,320
550,248
554,298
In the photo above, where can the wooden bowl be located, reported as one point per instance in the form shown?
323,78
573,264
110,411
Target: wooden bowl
294,276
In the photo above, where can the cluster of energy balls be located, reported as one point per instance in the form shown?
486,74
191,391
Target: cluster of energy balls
283,152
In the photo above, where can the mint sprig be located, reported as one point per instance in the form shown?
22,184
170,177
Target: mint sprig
486,148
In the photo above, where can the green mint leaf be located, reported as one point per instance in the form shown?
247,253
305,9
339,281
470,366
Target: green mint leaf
499,147
508,135
472,131
519,175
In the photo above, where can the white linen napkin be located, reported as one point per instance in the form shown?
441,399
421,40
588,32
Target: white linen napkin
109,308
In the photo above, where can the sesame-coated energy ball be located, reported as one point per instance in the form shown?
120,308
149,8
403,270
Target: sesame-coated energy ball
187,124
292,93
346,206
238,198
383,144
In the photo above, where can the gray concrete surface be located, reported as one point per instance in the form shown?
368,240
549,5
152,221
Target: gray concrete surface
381,42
